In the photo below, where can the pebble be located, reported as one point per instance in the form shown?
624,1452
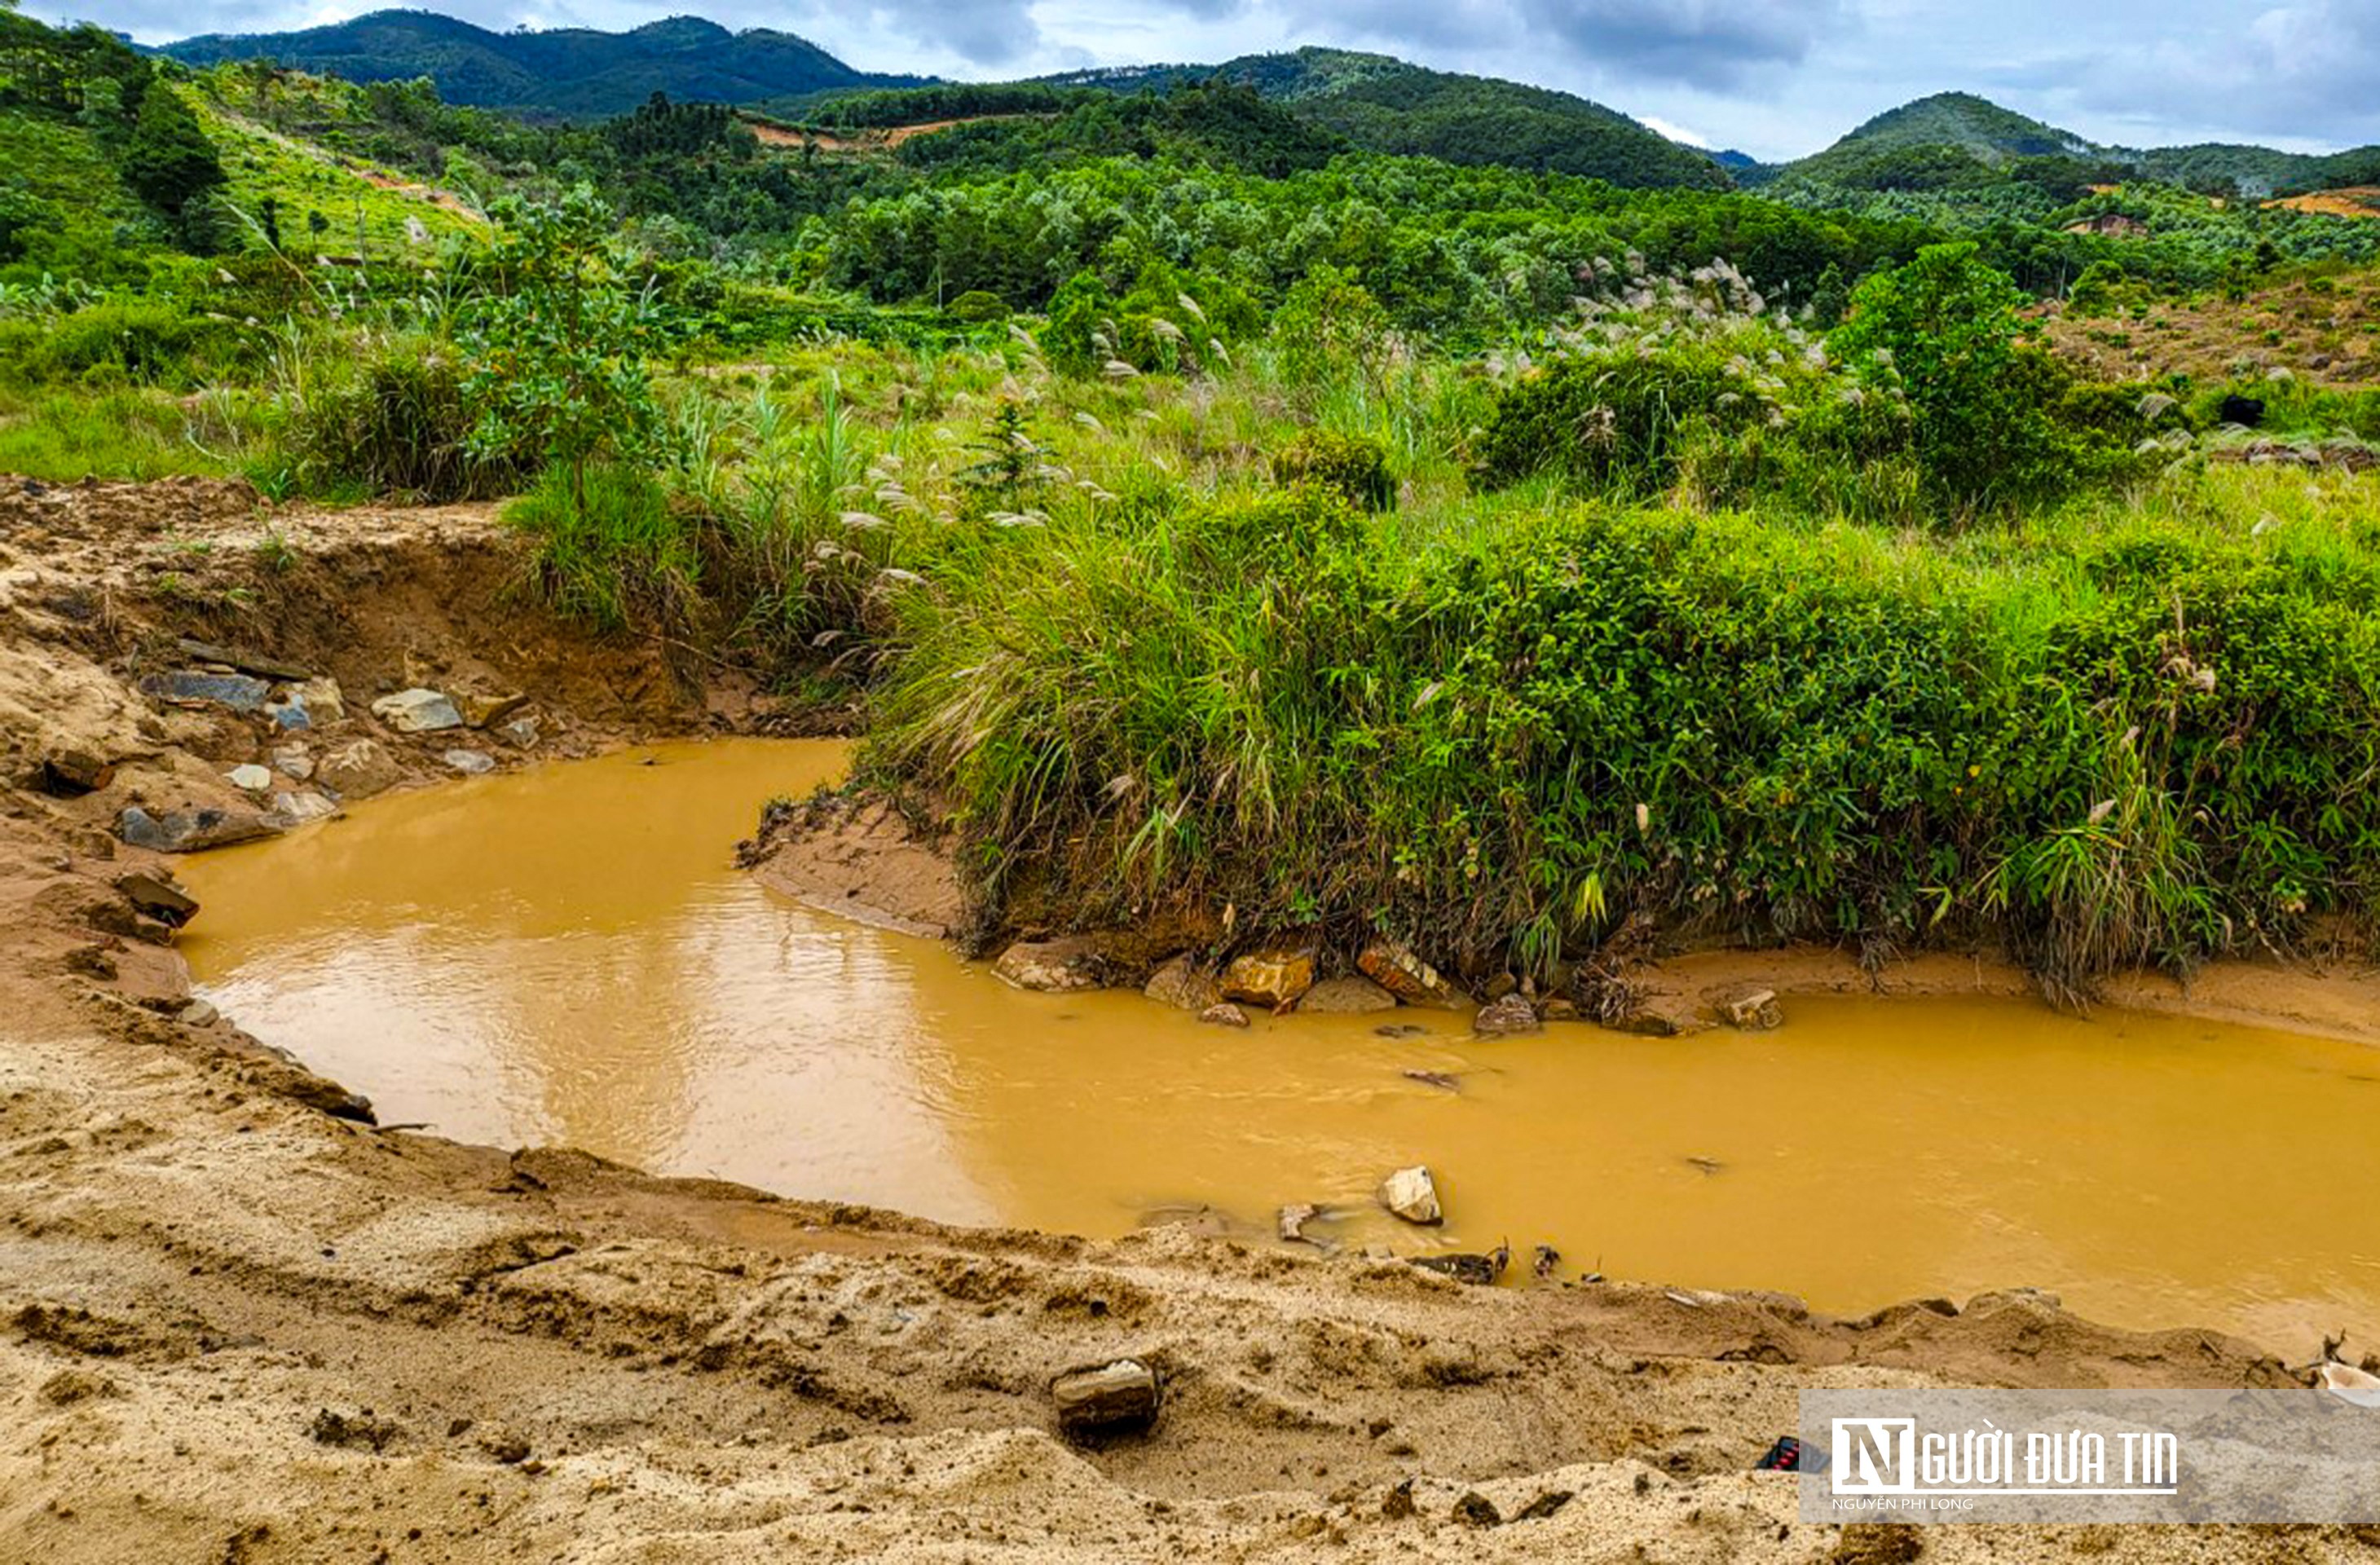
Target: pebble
471,763
251,778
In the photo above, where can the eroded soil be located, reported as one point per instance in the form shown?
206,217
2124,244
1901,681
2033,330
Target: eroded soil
239,1322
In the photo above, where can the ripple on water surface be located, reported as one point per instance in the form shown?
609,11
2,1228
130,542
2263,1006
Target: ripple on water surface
566,954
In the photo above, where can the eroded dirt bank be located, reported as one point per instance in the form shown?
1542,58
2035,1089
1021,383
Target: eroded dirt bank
238,1322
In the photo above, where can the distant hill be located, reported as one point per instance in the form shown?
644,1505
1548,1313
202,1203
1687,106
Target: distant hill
1952,138
1386,105
565,72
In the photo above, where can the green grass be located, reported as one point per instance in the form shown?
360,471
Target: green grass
67,435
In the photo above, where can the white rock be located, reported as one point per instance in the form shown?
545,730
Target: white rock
323,701
417,711
297,808
251,779
1411,1194
471,763
293,760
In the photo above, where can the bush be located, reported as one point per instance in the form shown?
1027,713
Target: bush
1354,467
606,547
978,307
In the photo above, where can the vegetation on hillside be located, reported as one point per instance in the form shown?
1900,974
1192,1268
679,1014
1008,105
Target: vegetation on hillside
1208,508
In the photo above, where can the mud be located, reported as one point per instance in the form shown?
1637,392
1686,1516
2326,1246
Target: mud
237,1326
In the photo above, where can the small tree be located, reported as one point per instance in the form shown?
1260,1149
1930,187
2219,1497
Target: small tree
1946,325
557,347
1330,331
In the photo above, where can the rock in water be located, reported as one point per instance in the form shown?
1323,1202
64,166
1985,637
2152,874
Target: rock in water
1273,977
1659,1016
1346,997
1109,1399
1411,1194
1223,1014
1395,968
470,763
1508,1017
187,831
295,809
416,711
160,896
1292,1220
1181,985
1752,1010
1056,966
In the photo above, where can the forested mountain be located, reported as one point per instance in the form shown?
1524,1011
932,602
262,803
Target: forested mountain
562,71
1386,105
1957,138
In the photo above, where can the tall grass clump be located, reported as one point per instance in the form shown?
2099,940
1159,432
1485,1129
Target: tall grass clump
607,547
385,416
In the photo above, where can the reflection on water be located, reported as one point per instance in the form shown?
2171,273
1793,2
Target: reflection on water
565,955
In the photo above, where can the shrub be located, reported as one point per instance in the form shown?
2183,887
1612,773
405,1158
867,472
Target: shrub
1082,315
977,305
1329,330
119,340
557,354
1354,467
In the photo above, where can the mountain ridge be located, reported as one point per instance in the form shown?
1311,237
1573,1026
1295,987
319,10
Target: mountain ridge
560,71
1376,101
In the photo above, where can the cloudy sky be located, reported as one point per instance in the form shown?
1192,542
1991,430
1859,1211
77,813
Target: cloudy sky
1775,77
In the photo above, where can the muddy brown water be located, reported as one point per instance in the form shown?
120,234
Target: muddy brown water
565,955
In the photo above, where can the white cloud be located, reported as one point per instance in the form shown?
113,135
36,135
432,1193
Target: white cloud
1677,132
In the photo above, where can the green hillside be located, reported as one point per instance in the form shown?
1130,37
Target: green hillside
1386,105
572,72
